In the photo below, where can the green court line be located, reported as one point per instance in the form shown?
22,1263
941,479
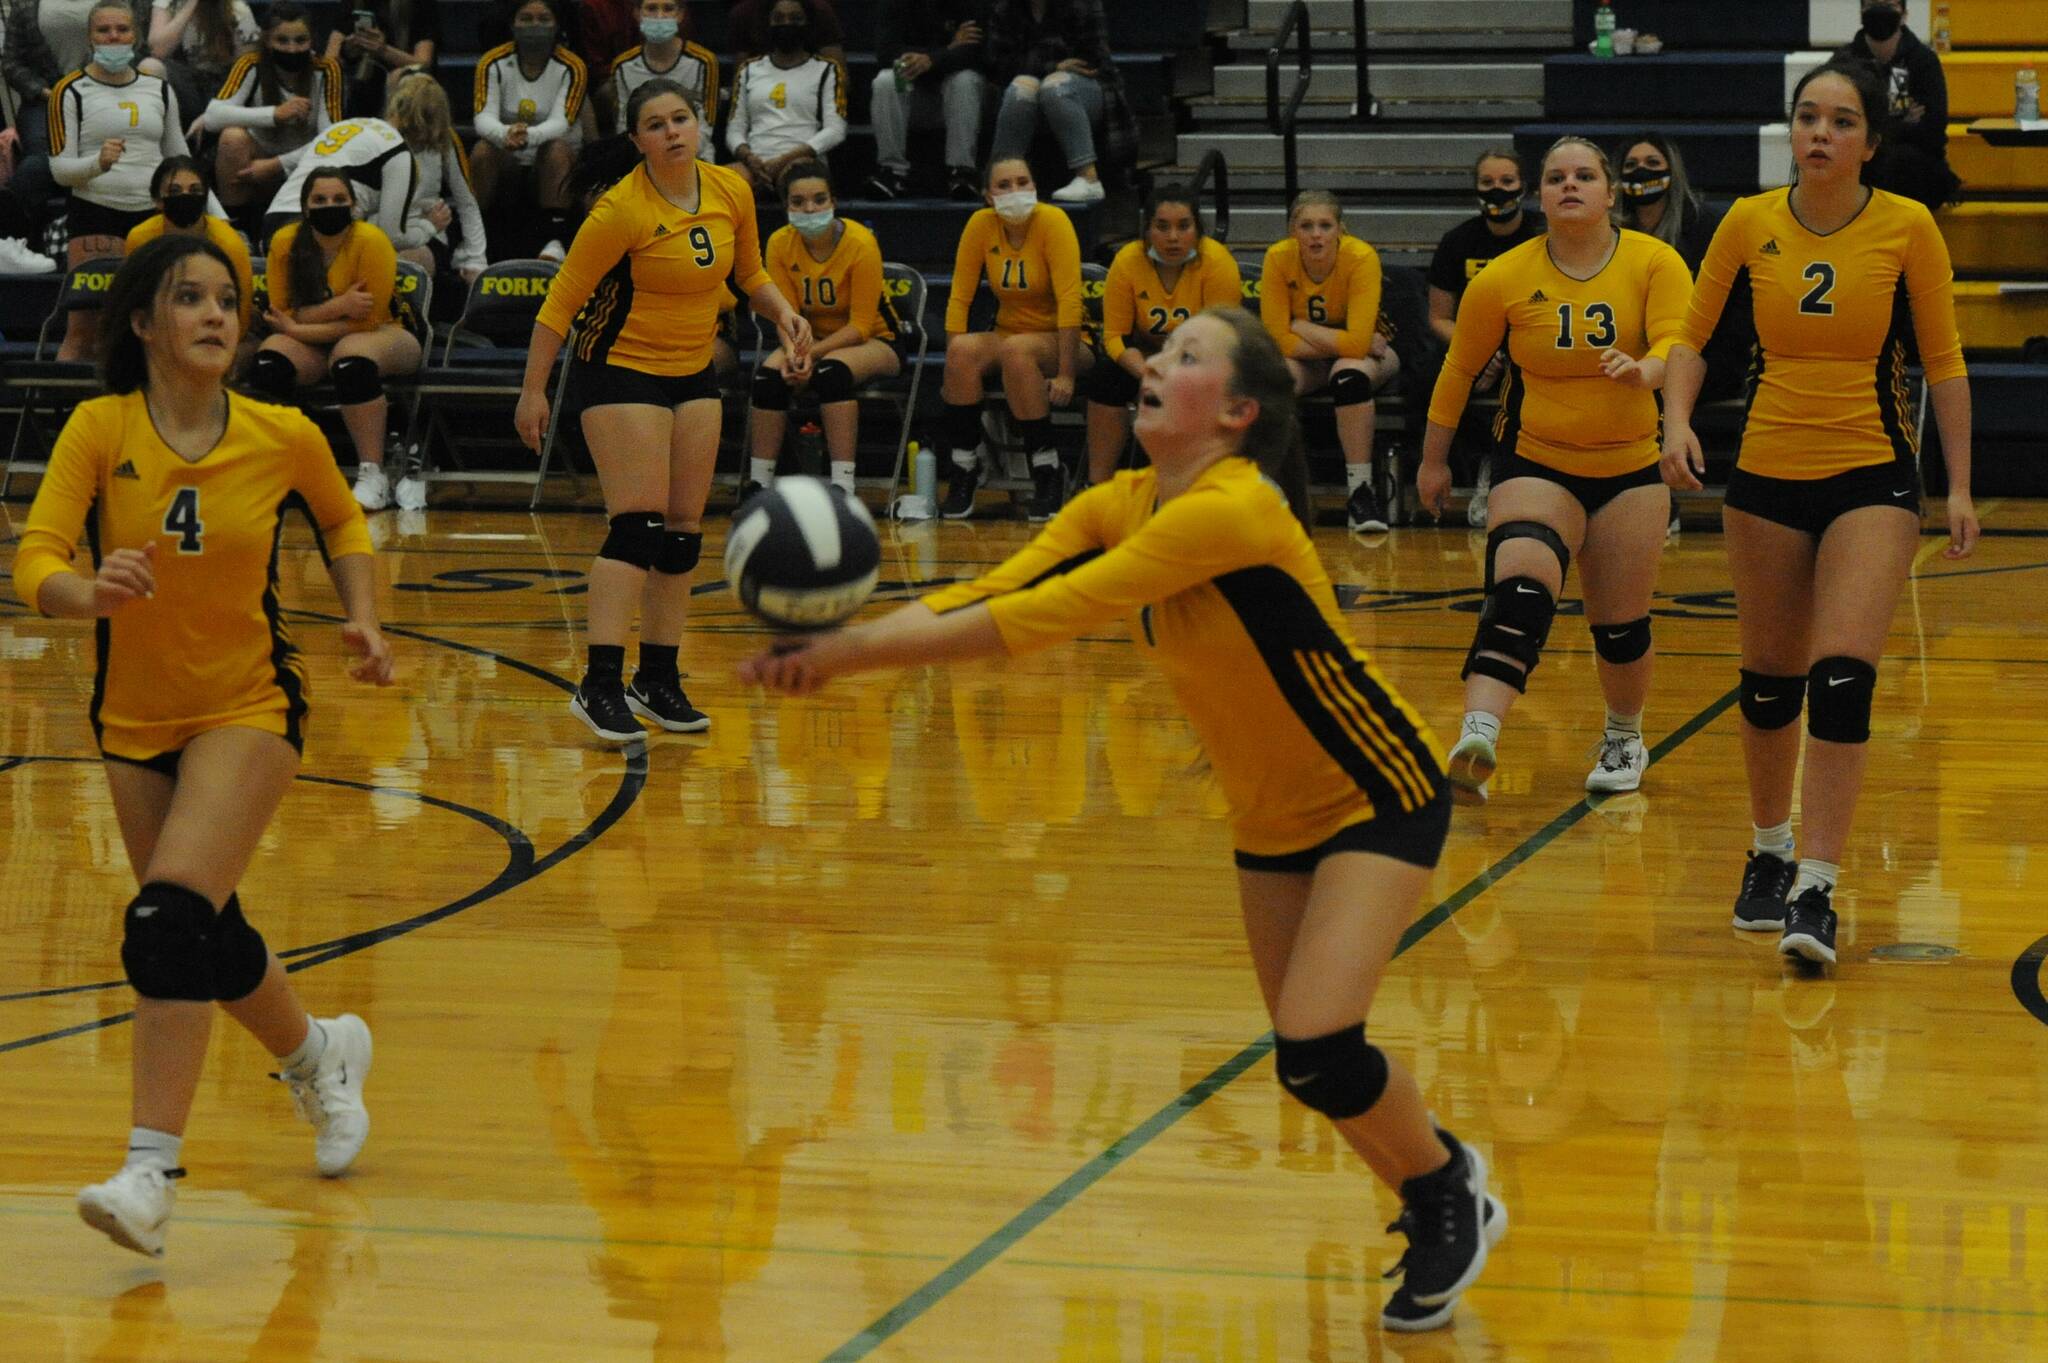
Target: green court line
1049,1204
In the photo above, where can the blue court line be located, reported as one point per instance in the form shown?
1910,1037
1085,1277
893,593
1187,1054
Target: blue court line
1049,1204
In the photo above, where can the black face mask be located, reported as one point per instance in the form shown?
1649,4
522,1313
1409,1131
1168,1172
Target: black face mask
330,219
182,210
534,39
1500,203
291,62
789,37
1644,186
1882,22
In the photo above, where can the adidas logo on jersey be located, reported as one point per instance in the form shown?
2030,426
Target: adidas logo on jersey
1769,248
1537,297
661,229
126,469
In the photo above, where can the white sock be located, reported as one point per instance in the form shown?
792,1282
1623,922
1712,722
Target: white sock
1479,722
1811,873
1045,459
842,473
967,459
302,1061
1354,474
1777,841
761,471
158,1149
1625,724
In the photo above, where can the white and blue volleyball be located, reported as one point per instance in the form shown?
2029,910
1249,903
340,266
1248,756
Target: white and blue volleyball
803,555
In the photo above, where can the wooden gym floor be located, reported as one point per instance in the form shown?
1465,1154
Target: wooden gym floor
913,1022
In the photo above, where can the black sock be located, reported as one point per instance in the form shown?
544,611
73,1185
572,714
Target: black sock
1036,435
607,664
658,662
556,224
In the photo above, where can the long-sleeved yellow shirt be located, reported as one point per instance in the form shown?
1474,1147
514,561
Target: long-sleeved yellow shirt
1137,304
1037,286
1347,299
366,257
844,288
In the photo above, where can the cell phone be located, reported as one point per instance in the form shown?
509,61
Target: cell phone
365,19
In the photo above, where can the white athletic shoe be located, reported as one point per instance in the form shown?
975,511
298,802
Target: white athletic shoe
1470,766
555,251
133,1208
331,1098
411,493
1080,190
1618,763
17,257
373,487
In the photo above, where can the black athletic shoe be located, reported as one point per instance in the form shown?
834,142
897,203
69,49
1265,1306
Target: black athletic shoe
1048,491
747,490
662,702
1441,1214
1406,1315
886,184
964,185
1760,903
1810,926
1363,512
604,709
960,490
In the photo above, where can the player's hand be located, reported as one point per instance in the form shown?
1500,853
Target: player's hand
1059,389
914,65
795,333
355,302
1433,485
439,214
373,655
1075,66
967,33
795,666
470,273
282,323
257,170
110,152
797,370
515,136
530,419
1624,368
297,109
125,575
1683,460
1963,529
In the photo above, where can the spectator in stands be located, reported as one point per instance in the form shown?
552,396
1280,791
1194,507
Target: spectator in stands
930,53
198,41
179,190
381,39
377,162
110,127
602,30
1052,59
1914,159
332,281
529,96
830,270
275,100
442,196
1656,198
664,50
748,22
1032,259
1320,299
1174,272
787,106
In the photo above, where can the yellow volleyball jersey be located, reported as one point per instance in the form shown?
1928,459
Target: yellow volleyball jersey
1223,588
221,235
1557,407
1828,384
1037,286
1138,308
843,289
1347,299
211,647
366,257
643,278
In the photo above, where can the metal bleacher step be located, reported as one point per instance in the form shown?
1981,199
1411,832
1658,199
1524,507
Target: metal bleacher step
1406,88
1422,25
1405,150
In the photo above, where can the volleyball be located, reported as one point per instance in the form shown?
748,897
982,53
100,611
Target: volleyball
802,555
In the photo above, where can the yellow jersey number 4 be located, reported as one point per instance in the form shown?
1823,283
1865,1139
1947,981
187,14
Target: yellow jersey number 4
183,521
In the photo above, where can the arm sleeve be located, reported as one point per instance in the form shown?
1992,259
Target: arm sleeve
485,120
394,192
332,507
277,274
737,123
1670,294
1930,287
1223,283
747,271
1930,87
25,56
377,271
831,110
1273,309
473,250
327,109
1362,307
245,274
82,165
1070,537
63,501
966,273
1119,308
784,279
173,141
601,242
864,281
1717,277
1482,325
235,106
563,116
1063,260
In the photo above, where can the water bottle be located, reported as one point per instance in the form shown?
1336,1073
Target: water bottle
810,449
1603,30
1941,28
2026,95
902,81
924,473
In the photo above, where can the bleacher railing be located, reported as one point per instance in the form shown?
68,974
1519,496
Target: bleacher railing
1212,167
1282,121
1366,108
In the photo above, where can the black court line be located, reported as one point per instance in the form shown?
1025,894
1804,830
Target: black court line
2026,980
1049,1204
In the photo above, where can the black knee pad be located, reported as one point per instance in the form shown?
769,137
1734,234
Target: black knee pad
1349,388
680,550
1771,702
832,381
1622,643
1526,530
1338,1075
961,425
1838,692
356,379
240,955
771,390
1515,621
272,375
167,943
636,538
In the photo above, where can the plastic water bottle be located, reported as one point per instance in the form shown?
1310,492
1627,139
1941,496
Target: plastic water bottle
902,81
2026,95
810,448
1941,28
1603,30
924,474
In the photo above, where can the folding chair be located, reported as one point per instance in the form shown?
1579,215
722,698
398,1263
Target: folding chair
482,357
84,286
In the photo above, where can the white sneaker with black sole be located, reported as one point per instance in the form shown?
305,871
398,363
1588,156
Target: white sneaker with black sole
1618,764
133,1208
1443,1214
664,703
331,1097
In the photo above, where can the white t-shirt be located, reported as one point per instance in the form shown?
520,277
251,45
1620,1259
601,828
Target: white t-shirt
777,109
377,162
547,105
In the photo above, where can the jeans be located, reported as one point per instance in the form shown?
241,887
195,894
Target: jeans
1070,104
953,102
33,185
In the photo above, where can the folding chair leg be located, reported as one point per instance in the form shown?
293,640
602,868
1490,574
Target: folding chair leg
547,443
903,437
28,407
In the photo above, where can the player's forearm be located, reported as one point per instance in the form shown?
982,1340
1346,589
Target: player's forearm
1951,401
541,350
1685,373
914,635
67,596
355,582
1069,351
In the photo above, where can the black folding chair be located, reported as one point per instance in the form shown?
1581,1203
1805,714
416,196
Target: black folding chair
482,362
72,380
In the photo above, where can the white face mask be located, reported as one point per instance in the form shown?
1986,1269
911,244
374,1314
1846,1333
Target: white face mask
1016,206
